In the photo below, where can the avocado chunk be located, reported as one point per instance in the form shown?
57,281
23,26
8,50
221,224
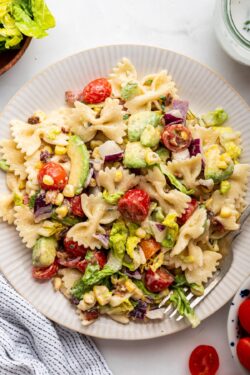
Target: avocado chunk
134,156
150,136
44,252
212,162
138,121
79,157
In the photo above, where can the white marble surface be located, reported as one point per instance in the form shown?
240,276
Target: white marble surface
181,25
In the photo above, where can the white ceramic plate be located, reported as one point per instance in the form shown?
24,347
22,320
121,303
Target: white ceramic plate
205,91
233,332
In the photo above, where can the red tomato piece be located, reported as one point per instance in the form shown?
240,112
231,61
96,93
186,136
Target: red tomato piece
244,315
82,265
134,205
91,314
56,172
188,212
176,137
76,206
204,360
159,280
97,91
45,273
149,247
243,352
74,248
101,257
77,263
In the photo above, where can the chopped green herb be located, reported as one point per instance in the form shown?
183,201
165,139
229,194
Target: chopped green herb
126,116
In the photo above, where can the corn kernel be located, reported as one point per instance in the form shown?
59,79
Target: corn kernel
225,157
22,185
94,144
41,115
102,294
140,233
130,286
59,199
57,282
222,165
62,211
184,135
60,150
69,191
118,176
225,212
48,148
38,165
89,298
92,182
96,154
152,158
48,180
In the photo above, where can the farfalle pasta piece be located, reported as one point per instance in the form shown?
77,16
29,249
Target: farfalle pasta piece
25,225
7,208
13,157
229,223
208,136
32,169
188,170
69,277
154,184
202,274
106,179
191,230
13,182
189,259
122,73
162,85
98,212
110,121
27,137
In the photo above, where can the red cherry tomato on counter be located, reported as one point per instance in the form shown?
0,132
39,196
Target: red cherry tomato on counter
159,280
96,91
76,206
134,205
45,273
176,137
244,315
243,352
57,174
204,360
149,247
73,248
188,212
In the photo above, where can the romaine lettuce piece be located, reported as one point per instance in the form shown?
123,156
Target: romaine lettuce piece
174,181
129,90
172,231
111,198
4,165
180,301
215,118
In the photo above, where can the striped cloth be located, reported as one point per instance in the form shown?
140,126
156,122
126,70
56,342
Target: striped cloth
30,344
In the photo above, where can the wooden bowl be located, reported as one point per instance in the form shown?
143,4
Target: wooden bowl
10,57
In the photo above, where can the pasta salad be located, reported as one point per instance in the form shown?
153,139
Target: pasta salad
124,195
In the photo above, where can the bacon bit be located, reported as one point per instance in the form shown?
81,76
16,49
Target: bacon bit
91,314
169,100
71,97
25,199
64,130
33,120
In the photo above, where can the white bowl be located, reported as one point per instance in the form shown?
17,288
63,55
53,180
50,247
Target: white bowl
233,322
204,89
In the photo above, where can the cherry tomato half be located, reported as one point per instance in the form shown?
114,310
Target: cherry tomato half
45,273
149,247
96,91
188,212
74,248
134,205
204,360
243,352
176,137
56,172
159,280
101,257
76,206
244,315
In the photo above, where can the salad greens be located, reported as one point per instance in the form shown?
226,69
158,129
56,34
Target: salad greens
23,17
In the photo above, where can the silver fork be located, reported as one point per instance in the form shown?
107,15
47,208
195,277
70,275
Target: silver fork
225,264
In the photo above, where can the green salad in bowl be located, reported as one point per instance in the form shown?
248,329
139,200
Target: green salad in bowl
23,18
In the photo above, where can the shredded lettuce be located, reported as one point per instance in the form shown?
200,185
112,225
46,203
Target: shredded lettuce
50,228
172,231
134,256
215,118
129,90
124,308
180,301
155,297
18,199
4,165
111,198
174,181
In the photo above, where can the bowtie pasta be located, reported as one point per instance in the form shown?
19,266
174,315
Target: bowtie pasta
124,194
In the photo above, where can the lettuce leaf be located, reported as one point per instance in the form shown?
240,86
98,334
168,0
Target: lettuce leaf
172,231
111,198
42,15
25,23
174,181
215,118
180,301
